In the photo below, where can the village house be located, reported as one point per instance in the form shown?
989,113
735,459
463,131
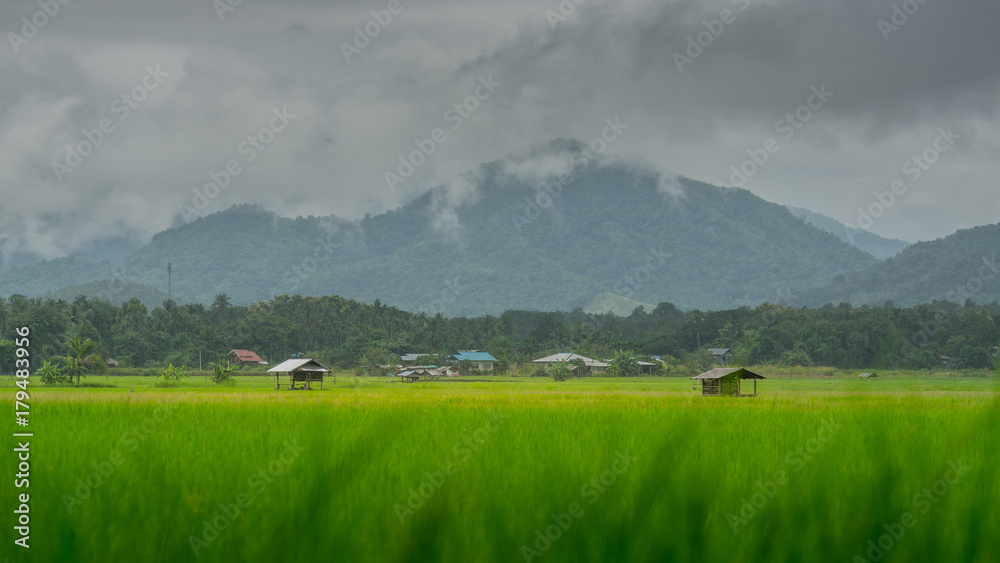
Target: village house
481,361
594,365
245,358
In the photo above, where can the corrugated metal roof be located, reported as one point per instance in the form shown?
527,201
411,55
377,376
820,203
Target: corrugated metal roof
302,364
410,357
719,351
567,357
719,373
474,357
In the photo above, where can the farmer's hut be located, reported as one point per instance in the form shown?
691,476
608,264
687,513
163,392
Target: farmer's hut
300,371
725,382
867,375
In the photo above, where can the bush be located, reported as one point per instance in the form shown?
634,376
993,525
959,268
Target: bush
172,374
560,371
223,373
53,374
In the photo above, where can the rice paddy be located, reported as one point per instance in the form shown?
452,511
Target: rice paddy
814,469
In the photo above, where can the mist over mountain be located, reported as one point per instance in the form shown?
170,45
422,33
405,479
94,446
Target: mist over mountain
879,247
553,228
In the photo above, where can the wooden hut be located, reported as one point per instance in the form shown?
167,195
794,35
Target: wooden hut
725,382
300,371
868,375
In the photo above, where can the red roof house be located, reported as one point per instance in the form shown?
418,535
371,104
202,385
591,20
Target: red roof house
245,358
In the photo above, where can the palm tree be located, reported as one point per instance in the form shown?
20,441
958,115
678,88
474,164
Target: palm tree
82,357
219,306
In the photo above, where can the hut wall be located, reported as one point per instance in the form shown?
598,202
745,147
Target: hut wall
729,386
710,387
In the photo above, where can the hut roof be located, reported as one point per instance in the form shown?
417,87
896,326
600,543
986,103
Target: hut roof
303,364
568,357
246,356
719,373
867,375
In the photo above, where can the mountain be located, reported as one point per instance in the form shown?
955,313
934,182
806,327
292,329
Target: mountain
955,268
511,234
496,239
871,243
45,276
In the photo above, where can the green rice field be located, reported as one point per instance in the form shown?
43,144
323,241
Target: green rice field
903,468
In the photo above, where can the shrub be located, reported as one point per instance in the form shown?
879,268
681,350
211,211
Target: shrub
172,374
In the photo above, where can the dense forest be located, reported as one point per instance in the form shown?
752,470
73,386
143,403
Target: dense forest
344,332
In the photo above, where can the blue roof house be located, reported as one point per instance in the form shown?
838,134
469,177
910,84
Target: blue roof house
482,361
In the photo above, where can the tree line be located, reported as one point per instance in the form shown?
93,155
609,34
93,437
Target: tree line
347,334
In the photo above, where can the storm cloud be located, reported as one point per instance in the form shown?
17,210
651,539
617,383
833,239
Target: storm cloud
306,108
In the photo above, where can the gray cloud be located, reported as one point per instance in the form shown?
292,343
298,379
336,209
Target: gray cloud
354,120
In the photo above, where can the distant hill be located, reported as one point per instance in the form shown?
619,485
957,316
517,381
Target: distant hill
954,268
116,292
871,243
495,239
38,278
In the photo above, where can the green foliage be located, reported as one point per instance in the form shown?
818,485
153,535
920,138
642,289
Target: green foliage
222,374
8,355
81,357
172,374
53,374
560,371
582,369
624,364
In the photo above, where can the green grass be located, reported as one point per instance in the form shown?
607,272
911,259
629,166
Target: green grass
367,444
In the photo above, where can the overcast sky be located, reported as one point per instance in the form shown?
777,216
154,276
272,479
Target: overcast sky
199,78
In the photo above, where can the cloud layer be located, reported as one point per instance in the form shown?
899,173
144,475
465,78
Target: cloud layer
184,92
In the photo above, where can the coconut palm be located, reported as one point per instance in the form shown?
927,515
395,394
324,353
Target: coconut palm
82,357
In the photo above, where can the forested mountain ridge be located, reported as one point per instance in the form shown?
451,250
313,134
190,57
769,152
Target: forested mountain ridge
553,228
497,239
955,268
879,247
